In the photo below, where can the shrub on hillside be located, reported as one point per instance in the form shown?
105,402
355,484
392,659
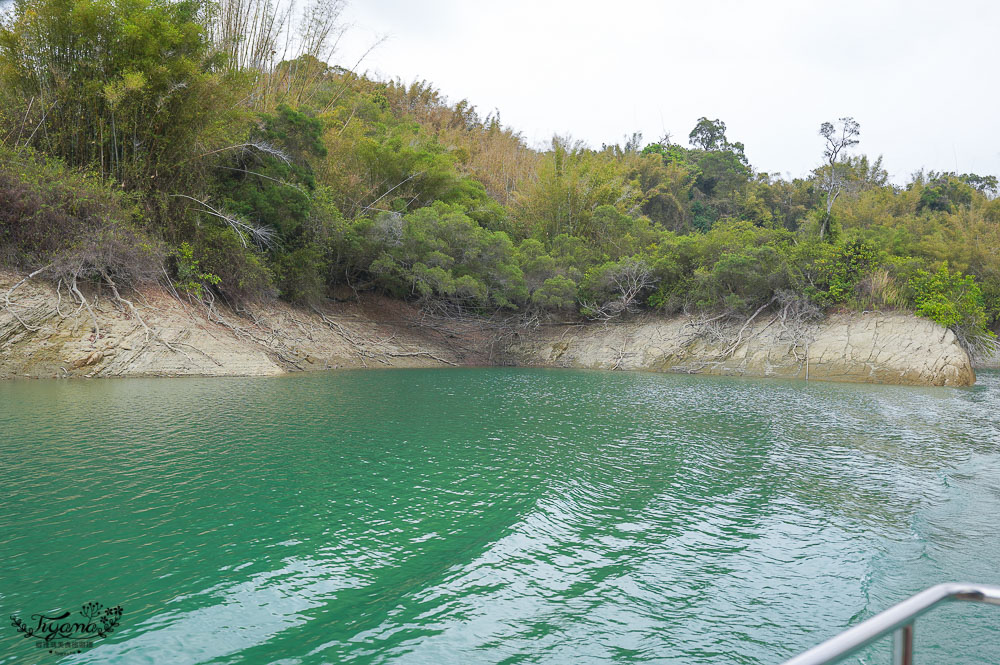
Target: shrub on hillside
440,253
74,223
955,301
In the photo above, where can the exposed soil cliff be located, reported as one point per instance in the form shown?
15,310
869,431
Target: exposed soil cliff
45,333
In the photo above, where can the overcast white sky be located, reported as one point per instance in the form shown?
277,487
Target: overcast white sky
920,76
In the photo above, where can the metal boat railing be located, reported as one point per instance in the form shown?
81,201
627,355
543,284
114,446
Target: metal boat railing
898,620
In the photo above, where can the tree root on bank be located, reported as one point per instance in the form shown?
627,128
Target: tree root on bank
215,316
731,350
498,330
363,350
83,300
793,315
420,353
10,307
358,347
59,286
69,278
149,332
621,355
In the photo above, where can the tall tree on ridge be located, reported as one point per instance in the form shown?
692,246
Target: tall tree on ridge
837,140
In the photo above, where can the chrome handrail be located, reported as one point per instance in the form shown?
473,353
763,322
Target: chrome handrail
898,620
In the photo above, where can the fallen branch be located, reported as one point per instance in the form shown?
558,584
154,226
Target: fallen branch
76,290
422,353
739,337
131,307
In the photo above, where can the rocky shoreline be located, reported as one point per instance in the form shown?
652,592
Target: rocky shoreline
47,335
888,348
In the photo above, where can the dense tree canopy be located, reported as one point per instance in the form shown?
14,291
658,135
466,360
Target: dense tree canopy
244,177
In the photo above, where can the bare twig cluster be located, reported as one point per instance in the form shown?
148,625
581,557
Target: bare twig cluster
627,281
263,236
789,311
374,349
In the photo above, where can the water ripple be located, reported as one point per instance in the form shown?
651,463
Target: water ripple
495,516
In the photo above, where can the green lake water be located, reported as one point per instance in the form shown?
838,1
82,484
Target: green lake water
495,516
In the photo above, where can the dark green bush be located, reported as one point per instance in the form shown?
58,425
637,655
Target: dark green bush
241,271
841,269
439,252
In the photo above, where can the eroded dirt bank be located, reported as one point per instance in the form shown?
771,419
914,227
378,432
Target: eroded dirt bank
45,333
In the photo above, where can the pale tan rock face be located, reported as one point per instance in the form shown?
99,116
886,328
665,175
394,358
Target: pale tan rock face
54,338
891,348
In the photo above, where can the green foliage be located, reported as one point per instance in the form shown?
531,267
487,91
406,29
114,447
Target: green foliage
709,134
128,130
572,184
721,173
300,274
550,279
743,280
984,184
943,192
190,279
557,292
841,269
438,252
666,189
241,272
270,180
378,161
704,216
123,87
953,300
